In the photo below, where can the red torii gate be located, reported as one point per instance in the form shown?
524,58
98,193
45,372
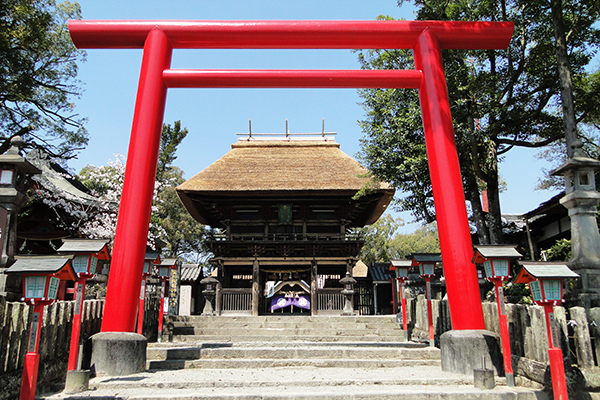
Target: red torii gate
159,38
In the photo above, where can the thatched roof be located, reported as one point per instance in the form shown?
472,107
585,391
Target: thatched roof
269,166
283,169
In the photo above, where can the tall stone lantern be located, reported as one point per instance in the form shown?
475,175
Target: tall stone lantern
14,170
581,200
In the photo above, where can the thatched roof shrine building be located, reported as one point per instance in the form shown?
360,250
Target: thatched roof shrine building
286,212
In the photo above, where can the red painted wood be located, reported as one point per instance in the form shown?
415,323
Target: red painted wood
134,212
446,181
187,78
291,34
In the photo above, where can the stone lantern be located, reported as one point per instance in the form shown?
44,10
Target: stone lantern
14,170
209,294
348,291
581,199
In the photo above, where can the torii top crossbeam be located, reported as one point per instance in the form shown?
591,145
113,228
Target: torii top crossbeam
159,38
291,34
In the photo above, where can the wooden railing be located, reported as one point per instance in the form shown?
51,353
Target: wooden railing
330,301
236,301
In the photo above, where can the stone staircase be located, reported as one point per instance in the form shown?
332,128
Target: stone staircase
293,357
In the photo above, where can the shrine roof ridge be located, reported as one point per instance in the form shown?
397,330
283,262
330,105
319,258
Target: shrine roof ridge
287,137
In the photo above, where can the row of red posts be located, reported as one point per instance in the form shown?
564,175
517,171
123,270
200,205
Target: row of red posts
545,281
77,260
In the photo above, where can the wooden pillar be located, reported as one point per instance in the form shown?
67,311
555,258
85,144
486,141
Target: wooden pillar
313,288
350,263
219,294
255,287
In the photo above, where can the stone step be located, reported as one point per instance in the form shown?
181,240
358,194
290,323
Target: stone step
285,318
283,331
229,338
289,344
286,325
289,362
412,383
284,352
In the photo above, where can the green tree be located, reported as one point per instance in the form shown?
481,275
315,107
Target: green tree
499,100
586,93
378,237
185,237
569,17
38,69
560,251
383,243
169,221
423,240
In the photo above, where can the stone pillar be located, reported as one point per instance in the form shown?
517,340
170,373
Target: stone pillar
255,287
118,353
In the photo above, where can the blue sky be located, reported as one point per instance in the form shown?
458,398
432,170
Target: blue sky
213,116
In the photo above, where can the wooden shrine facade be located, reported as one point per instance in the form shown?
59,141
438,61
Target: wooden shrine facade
286,220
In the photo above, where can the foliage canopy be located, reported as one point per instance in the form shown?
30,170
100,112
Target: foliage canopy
499,100
38,69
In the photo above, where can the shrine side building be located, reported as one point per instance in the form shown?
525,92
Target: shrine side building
286,218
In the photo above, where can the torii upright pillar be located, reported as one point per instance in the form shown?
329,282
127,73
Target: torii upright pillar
426,38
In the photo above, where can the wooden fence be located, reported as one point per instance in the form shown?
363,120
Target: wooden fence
236,301
579,331
330,301
15,321
580,334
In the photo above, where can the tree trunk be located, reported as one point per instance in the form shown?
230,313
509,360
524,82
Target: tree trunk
495,214
472,194
564,76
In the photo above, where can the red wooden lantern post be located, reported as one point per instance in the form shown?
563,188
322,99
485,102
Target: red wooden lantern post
546,284
426,263
496,261
149,261
41,278
86,254
163,272
401,268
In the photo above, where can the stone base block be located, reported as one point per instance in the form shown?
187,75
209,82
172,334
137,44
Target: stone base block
464,351
483,378
118,353
77,381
